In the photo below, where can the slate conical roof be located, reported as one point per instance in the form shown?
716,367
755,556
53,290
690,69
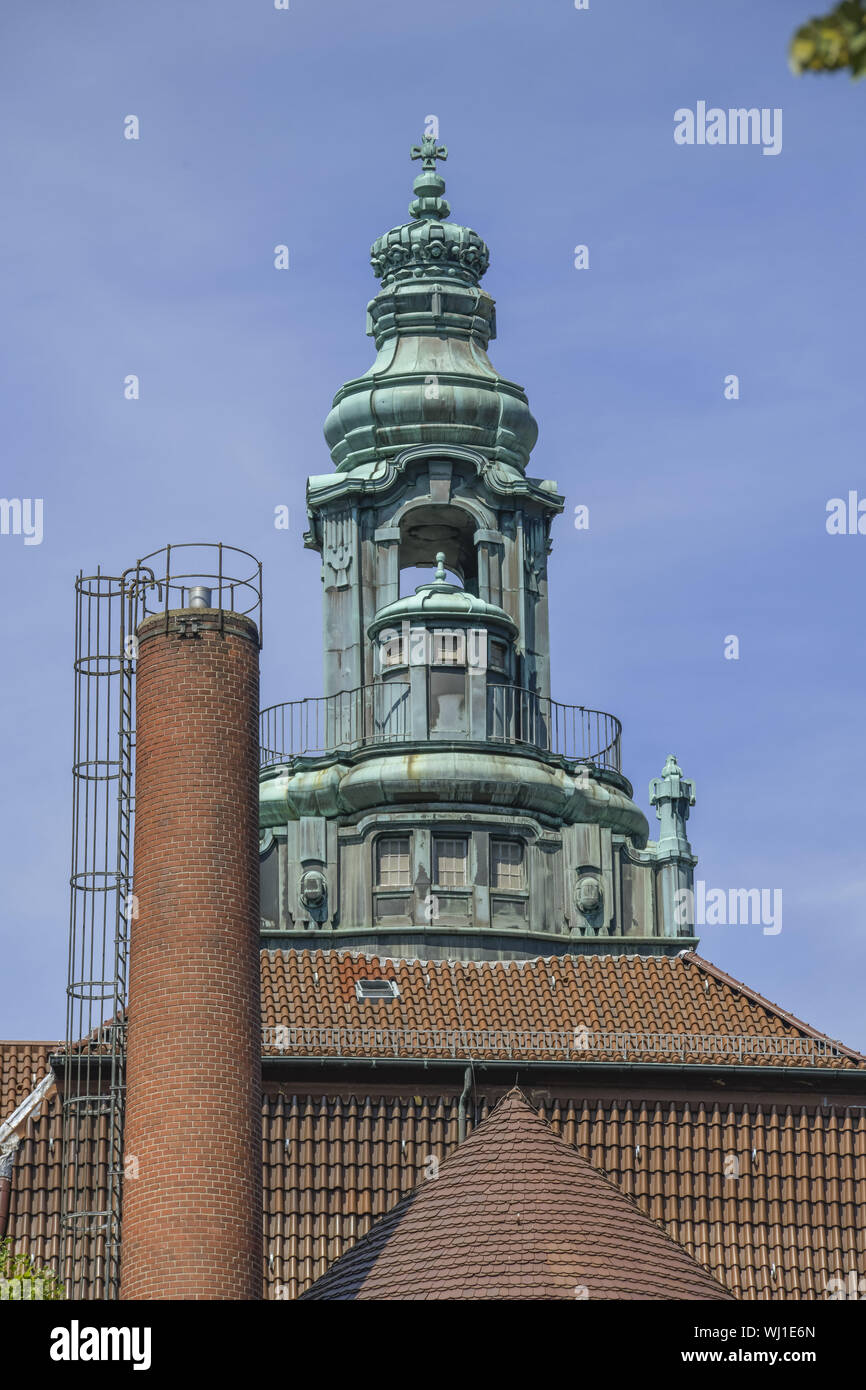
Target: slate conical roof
516,1213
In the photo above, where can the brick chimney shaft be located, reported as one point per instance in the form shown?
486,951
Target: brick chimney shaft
192,1200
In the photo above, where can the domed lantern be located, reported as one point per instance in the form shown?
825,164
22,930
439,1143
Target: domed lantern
440,652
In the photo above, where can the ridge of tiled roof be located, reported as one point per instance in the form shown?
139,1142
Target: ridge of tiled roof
516,1213
315,989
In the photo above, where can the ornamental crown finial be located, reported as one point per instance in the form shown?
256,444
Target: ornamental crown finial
428,205
429,247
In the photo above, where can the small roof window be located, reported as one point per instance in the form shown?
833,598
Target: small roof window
377,989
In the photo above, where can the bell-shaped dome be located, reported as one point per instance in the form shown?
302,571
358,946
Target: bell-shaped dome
432,381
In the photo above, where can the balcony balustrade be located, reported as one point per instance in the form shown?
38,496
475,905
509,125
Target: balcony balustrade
432,710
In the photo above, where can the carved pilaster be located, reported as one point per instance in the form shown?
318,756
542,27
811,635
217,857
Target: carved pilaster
339,549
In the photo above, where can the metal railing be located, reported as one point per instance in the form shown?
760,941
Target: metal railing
230,576
108,611
515,715
370,714
381,714
575,1044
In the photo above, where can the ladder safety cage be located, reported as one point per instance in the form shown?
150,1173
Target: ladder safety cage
107,613
109,609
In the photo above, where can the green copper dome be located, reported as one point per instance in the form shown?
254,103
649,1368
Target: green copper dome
432,381
441,600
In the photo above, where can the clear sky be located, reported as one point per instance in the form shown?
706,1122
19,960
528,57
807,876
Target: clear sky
707,515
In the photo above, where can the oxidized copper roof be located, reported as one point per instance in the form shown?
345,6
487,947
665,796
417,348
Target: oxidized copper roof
515,1213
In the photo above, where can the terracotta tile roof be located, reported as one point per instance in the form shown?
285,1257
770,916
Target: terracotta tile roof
767,1194
34,1211
769,1197
22,1067
516,1213
680,1008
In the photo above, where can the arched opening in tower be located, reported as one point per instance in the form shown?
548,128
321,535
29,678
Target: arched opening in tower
429,529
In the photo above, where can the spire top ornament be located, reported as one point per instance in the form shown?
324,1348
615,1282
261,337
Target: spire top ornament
672,794
428,205
428,152
429,247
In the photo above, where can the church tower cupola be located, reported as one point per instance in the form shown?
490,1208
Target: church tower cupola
436,800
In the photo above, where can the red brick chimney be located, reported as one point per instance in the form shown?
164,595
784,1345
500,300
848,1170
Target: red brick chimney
192,1203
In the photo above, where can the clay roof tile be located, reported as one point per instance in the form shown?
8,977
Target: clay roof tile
516,1213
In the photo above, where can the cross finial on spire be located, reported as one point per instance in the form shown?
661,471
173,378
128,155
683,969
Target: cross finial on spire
428,205
428,152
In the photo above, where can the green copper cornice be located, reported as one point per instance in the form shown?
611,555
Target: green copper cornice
375,481
431,776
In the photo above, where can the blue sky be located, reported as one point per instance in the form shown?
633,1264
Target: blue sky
707,516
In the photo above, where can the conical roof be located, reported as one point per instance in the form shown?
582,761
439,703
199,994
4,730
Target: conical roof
516,1213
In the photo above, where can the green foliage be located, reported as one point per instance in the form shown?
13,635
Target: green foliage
833,41
21,1279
